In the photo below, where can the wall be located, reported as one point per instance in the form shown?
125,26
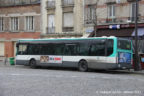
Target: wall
9,37
77,9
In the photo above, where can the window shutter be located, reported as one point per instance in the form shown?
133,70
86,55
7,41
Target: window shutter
68,20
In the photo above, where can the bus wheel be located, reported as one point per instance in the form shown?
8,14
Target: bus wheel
83,66
33,63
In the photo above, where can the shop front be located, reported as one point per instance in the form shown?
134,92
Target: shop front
124,31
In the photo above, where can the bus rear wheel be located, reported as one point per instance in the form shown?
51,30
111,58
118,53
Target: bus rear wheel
33,64
83,66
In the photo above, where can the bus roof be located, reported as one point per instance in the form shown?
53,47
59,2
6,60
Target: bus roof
55,39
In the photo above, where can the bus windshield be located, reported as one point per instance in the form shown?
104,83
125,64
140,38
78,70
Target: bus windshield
22,49
124,44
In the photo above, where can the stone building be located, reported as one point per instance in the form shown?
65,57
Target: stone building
62,18
113,18
19,19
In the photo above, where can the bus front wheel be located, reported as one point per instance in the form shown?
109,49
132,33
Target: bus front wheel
83,66
33,63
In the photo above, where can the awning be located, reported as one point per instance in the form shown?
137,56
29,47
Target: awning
140,32
118,33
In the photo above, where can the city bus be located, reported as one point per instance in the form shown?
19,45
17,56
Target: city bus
82,53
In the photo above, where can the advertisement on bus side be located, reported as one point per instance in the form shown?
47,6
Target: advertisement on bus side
124,57
51,59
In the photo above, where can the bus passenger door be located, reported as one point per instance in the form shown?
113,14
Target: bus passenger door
51,54
70,55
97,53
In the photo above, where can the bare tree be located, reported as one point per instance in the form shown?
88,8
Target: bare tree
91,14
95,16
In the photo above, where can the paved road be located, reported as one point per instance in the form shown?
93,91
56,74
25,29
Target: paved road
24,81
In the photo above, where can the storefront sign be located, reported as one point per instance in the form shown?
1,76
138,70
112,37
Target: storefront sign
114,27
142,59
89,30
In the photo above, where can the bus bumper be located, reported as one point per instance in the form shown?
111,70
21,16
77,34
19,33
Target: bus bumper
124,66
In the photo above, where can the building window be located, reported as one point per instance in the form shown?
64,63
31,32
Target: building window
51,24
133,11
68,22
90,14
29,23
1,24
67,2
51,4
14,23
111,11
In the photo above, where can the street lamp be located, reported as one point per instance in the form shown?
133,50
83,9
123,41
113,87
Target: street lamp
137,63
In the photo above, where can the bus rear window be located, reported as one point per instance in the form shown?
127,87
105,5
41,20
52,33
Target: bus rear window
124,44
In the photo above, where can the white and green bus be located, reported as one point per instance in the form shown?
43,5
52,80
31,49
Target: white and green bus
81,53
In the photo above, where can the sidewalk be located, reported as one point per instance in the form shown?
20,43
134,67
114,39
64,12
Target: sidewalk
2,58
2,64
139,72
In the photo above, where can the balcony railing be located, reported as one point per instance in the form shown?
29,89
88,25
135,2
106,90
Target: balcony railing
66,3
90,21
50,4
68,29
132,0
110,1
111,20
50,30
116,20
4,3
131,19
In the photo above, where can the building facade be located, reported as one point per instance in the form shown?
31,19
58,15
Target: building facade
113,17
19,19
62,18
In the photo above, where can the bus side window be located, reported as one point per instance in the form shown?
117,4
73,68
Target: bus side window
110,44
33,49
59,48
47,49
71,49
83,49
97,48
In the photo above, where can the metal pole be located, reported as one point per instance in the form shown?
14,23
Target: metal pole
137,63
95,22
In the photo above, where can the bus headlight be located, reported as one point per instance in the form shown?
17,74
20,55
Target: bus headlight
119,65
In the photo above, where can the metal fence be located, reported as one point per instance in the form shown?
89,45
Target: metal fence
67,2
50,4
50,30
17,2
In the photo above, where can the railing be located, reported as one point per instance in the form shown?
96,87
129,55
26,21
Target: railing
68,29
111,20
67,3
90,21
122,20
50,4
110,1
50,30
17,2
106,21
131,19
